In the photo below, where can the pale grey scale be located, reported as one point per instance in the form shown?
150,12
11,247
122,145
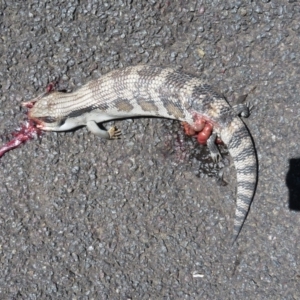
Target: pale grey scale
240,215
76,99
235,229
243,201
246,177
109,95
167,86
236,226
247,185
121,83
241,212
245,169
149,72
244,157
206,101
243,190
210,106
226,116
142,93
178,81
243,197
238,144
78,102
148,89
242,204
239,219
245,154
238,139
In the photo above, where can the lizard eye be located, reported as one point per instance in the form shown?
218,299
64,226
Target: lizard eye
48,119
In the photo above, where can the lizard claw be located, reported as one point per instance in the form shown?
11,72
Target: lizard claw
216,157
114,133
213,149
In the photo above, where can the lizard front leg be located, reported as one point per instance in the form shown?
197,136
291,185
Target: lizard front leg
110,134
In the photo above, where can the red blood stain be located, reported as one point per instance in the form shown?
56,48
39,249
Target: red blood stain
29,129
27,132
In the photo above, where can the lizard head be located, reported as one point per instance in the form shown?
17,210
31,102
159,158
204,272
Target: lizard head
44,111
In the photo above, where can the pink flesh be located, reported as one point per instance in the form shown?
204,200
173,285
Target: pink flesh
27,132
51,86
199,122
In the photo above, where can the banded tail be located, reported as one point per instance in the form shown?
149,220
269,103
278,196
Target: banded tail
241,149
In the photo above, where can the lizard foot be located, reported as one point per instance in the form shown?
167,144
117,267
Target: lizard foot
114,133
214,151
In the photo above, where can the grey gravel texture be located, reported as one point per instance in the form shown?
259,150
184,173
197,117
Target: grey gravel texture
144,217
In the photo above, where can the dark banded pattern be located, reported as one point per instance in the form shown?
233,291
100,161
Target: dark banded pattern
156,91
241,149
80,112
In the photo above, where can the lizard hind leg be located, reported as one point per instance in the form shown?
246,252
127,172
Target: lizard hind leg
213,148
206,136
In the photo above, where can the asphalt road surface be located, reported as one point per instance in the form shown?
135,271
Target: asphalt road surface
146,217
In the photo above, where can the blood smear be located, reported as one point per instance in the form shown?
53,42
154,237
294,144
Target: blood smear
28,131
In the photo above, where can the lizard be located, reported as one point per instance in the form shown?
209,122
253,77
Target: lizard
146,90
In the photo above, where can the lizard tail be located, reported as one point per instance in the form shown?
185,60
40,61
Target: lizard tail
241,149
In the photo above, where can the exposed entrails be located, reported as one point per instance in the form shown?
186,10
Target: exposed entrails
27,132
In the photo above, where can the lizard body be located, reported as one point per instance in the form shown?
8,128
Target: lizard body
162,92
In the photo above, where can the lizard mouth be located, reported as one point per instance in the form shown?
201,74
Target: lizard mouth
29,104
37,122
